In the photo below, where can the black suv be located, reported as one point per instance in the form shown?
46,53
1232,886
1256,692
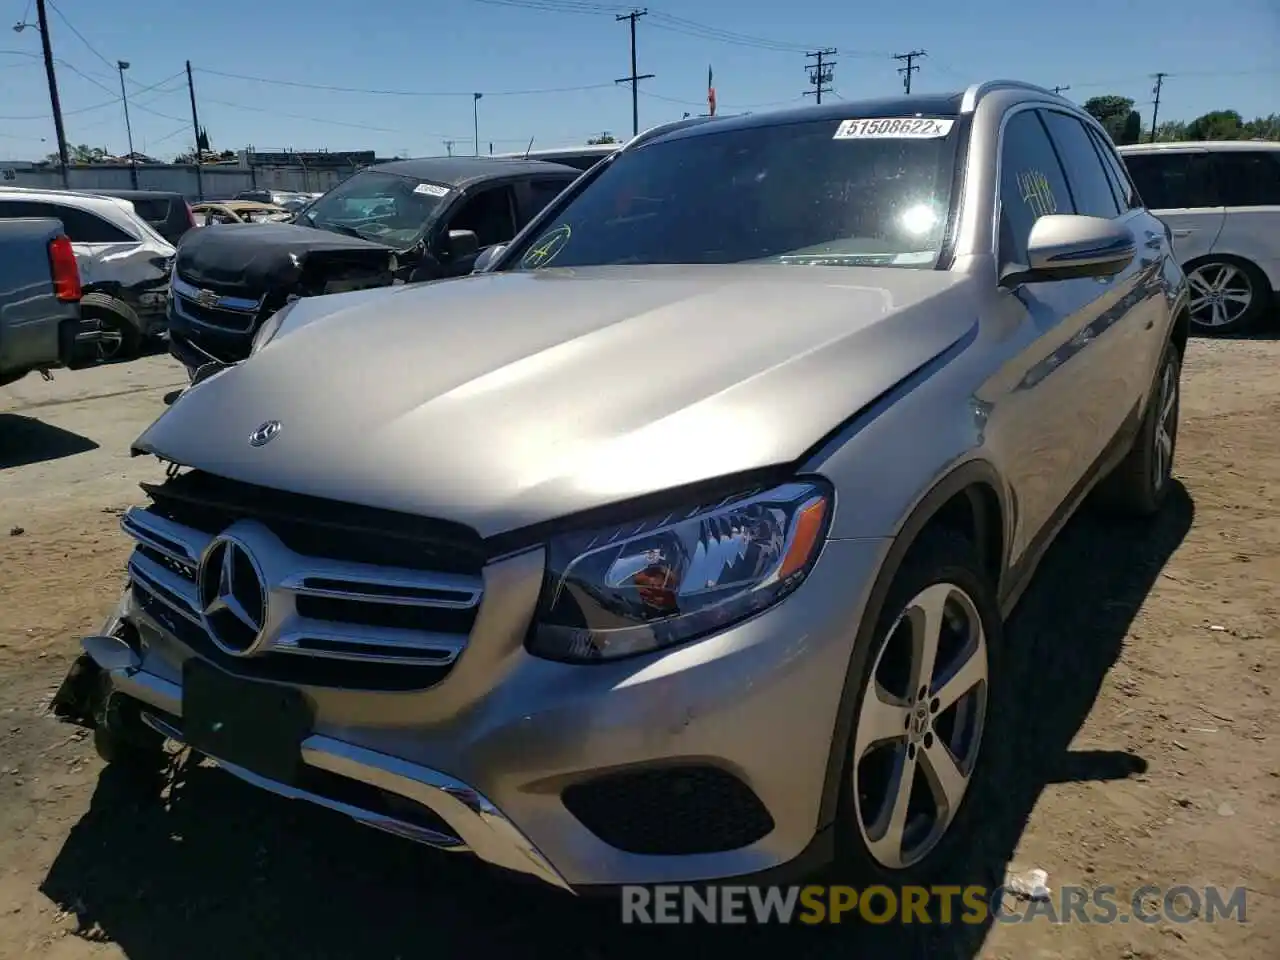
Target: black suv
406,221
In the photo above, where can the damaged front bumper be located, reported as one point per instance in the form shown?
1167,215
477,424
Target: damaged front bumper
380,791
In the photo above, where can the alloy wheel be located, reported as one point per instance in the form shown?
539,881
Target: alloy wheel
110,340
920,726
1221,293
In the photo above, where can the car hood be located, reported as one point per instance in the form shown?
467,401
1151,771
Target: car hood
247,259
504,400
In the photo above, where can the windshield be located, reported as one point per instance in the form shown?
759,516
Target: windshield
826,192
385,207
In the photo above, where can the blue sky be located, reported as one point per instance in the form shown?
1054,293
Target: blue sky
1219,54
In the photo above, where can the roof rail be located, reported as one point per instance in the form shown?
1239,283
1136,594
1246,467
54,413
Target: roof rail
646,135
979,90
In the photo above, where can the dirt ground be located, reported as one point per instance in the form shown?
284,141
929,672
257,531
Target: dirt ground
1145,747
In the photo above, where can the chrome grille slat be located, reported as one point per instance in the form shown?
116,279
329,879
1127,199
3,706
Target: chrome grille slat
150,575
356,601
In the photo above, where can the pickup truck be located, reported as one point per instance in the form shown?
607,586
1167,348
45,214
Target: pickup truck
40,323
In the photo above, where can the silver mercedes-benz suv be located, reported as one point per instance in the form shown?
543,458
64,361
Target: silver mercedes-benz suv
675,544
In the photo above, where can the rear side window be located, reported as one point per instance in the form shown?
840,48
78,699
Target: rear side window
1089,185
1247,179
1126,196
152,210
85,227
541,193
1172,181
1032,184
26,209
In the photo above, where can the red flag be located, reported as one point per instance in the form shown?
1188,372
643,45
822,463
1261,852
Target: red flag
711,93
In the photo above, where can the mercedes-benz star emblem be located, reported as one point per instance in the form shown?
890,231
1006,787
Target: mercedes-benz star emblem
233,597
264,434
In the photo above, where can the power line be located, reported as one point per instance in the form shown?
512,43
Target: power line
398,93
72,27
635,77
821,72
910,68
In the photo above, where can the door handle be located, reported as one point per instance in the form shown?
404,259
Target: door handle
1186,232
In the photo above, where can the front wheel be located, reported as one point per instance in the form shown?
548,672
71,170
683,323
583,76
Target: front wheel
925,702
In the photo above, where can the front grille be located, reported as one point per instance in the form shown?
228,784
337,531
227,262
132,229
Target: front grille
344,614
318,527
236,321
670,811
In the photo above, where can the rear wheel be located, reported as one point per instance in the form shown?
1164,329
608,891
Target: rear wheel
118,338
924,703
1139,485
1227,295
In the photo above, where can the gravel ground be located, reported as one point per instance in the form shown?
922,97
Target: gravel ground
1147,745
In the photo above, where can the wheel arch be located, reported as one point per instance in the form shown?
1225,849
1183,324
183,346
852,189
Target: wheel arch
968,500
97,301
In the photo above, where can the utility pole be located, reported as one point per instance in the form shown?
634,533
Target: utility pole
448,145
195,125
43,26
475,119
821,72
1155,109
635,77
122,66
910,68
1061,88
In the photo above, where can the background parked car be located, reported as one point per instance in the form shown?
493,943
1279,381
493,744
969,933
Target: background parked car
238,211
168,212
1222,202
124,263
409,220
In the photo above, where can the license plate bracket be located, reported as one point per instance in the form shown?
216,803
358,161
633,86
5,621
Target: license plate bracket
257,726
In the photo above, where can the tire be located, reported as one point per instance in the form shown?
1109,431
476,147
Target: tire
1139,485
1218,285
125,340
122,740
941,572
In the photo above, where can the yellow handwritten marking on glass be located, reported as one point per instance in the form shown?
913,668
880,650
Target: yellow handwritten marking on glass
1037,193
548,247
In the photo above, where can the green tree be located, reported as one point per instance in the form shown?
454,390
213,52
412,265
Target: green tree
605,137
1216,125
1117,116
1263,128
80,153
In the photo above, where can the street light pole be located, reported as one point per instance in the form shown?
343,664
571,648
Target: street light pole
123,65
42,27
475,118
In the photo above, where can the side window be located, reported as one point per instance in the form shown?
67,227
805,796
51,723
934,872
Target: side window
1247,179
27,209
1172,181
85,227
1120,182
490,214
1031,184
541,193
1089,185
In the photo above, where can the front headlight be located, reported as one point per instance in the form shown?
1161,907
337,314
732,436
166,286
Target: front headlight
269,328
641,586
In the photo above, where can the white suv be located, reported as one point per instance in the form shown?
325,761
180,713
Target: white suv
1221,199
124,264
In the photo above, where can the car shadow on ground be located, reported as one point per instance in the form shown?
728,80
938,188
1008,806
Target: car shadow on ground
25,440
210,867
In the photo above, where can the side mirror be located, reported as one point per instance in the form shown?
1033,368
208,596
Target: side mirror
1069,246
487,258
462,243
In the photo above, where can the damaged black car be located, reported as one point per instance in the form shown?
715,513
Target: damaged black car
409,221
